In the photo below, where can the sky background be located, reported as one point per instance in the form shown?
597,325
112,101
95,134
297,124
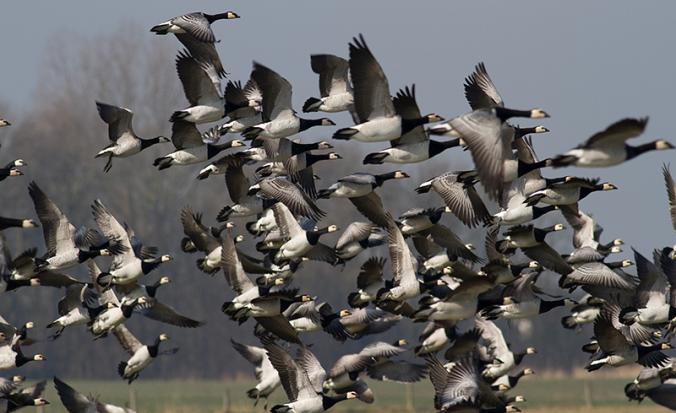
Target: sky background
587,63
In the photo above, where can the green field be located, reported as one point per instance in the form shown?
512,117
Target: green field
602,395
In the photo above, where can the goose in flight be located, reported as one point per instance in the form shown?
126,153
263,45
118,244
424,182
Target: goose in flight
123,141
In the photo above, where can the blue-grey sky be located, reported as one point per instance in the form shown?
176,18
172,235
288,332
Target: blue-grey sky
587,63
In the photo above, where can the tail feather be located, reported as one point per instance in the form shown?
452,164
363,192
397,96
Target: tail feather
178,115
121,367
224,214
344,133
375,158
104,279
568,322
563,160
163,162
160,29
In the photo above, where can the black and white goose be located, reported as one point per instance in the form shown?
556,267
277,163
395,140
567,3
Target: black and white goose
65,244
72,309
191,147
378,119
203,240
11,169
128,266
279,118
569,191
520,300
110,313
531,240
615,349
300,243
124,142
657,280
28,396
302,379
503,359
489,139
405,284
609,147
141,354
266,376
260,302
335,88
360,189
415,145
300,169
462,389
76,402
202,88
194,31
12,356
458,193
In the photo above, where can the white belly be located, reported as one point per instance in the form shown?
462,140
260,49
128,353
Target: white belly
378,130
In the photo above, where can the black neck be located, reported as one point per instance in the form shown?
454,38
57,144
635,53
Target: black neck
504,113
408,124
384,177
149,265
584,191
634,151
84,255
313,236
213,17
297,148
614,265
525,167
517,268
521,132
21,359
308,123
436,147
152,289
14,284
329,401
518,357
10,222
128,309
154,348
146,143
311,158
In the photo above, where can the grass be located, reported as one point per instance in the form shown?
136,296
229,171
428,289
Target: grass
552,395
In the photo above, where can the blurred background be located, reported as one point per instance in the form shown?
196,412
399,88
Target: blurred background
587,64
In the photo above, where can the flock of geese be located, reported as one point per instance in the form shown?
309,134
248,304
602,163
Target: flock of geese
442,281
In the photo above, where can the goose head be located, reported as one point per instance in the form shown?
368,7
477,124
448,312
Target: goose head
29,223
237,143
538,113
661,145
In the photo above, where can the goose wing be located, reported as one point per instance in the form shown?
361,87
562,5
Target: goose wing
280,327
461,198
127,340
668,266
355,232
292,196
196,25
232,267
492,336
480,91
200,84
185,135
163,313
118,120
290,374
653,286
113,230
407,108
312,367
198,234
403,271
549,258
582,225
254,355
276,92
455,388
489,142
371,272
72,400
287,223
371,89
671,193
333,73
617,133
59,233
235,180
597,273
371,206
445,238
610,339
204,52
